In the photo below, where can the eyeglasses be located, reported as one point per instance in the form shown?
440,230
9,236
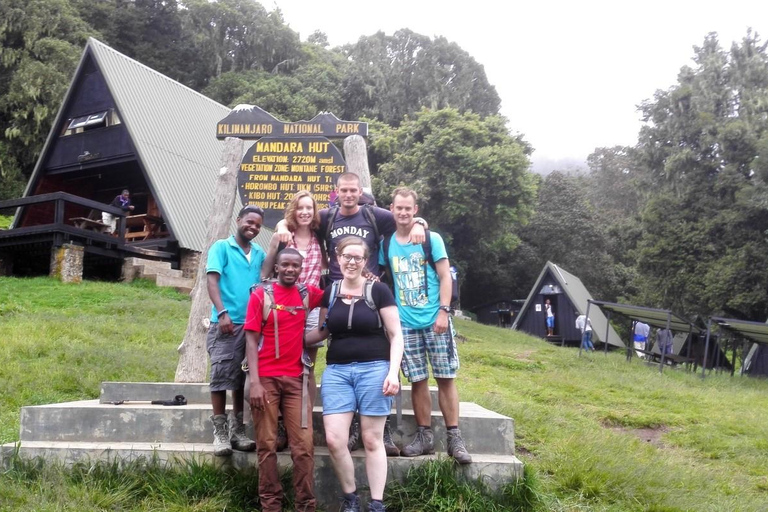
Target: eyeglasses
351,257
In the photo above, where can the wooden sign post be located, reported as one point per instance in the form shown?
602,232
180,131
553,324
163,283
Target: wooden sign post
193,356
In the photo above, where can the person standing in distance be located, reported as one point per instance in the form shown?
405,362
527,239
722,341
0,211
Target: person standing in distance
423,297
123,201
234,264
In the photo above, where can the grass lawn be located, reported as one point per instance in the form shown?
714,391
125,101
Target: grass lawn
595,432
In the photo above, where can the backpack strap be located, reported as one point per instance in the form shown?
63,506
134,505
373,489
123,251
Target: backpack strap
331,301
367,297
387,265
269,305
330,220
371,218
427,248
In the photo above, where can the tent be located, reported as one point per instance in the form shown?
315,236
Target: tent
568,297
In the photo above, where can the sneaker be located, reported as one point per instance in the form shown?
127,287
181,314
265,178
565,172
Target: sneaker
237,437
376,506
389,444
282,435
354,434
423,443
350,504
456,448
221,444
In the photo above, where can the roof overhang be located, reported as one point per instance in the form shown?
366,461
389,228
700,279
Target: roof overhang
660,318
755,331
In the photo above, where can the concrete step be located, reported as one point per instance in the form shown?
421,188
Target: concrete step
494,470
199,393
175,282
484,431
143,262
134,267
153,272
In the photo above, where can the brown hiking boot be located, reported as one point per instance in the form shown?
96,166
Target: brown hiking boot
282,435
456,448
237,437
354,434
423,443
389,445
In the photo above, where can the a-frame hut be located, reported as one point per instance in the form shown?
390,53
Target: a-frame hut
568,297
121,125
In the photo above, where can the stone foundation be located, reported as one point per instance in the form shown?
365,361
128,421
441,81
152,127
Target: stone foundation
190,260
67,263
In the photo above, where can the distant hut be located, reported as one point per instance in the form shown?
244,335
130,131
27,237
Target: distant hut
568,297
499,312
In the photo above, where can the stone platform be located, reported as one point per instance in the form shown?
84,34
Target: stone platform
99,430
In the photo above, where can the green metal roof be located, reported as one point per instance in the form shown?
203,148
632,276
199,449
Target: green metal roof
578,295
173,129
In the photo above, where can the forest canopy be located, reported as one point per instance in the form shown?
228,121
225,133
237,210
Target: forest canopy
678,220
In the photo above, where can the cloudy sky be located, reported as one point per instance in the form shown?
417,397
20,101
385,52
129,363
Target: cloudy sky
570,74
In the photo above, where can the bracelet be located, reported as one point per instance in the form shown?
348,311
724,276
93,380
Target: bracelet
225,310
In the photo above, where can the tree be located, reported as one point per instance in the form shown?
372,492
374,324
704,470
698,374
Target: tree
704,247
474,188
566,230
40,44
393,76
312,84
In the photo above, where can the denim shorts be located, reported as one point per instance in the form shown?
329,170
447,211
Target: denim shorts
550,322
356,387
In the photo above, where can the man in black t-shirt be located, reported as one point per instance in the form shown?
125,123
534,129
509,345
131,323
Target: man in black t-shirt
351,219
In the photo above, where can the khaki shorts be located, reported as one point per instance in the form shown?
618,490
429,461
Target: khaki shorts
227,352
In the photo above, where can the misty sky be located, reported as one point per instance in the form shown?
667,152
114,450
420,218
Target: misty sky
569,74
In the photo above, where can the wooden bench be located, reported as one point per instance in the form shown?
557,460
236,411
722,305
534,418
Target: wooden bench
148,226
89,224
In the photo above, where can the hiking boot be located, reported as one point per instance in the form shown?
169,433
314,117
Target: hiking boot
221,444
456,448
350,504
389,445
354,436
376,506
237,437
282,435
423,443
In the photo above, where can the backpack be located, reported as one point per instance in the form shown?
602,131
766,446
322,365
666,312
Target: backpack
367,297
269,304
427,248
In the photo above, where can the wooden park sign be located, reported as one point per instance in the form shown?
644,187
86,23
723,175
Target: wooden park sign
252,122
286,157
275,168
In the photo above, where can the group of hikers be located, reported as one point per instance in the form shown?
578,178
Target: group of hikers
318,280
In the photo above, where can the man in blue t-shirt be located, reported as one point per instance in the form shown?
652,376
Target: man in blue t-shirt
423,297
234,265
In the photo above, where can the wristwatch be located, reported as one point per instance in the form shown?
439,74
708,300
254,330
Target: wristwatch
447,309
420,222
